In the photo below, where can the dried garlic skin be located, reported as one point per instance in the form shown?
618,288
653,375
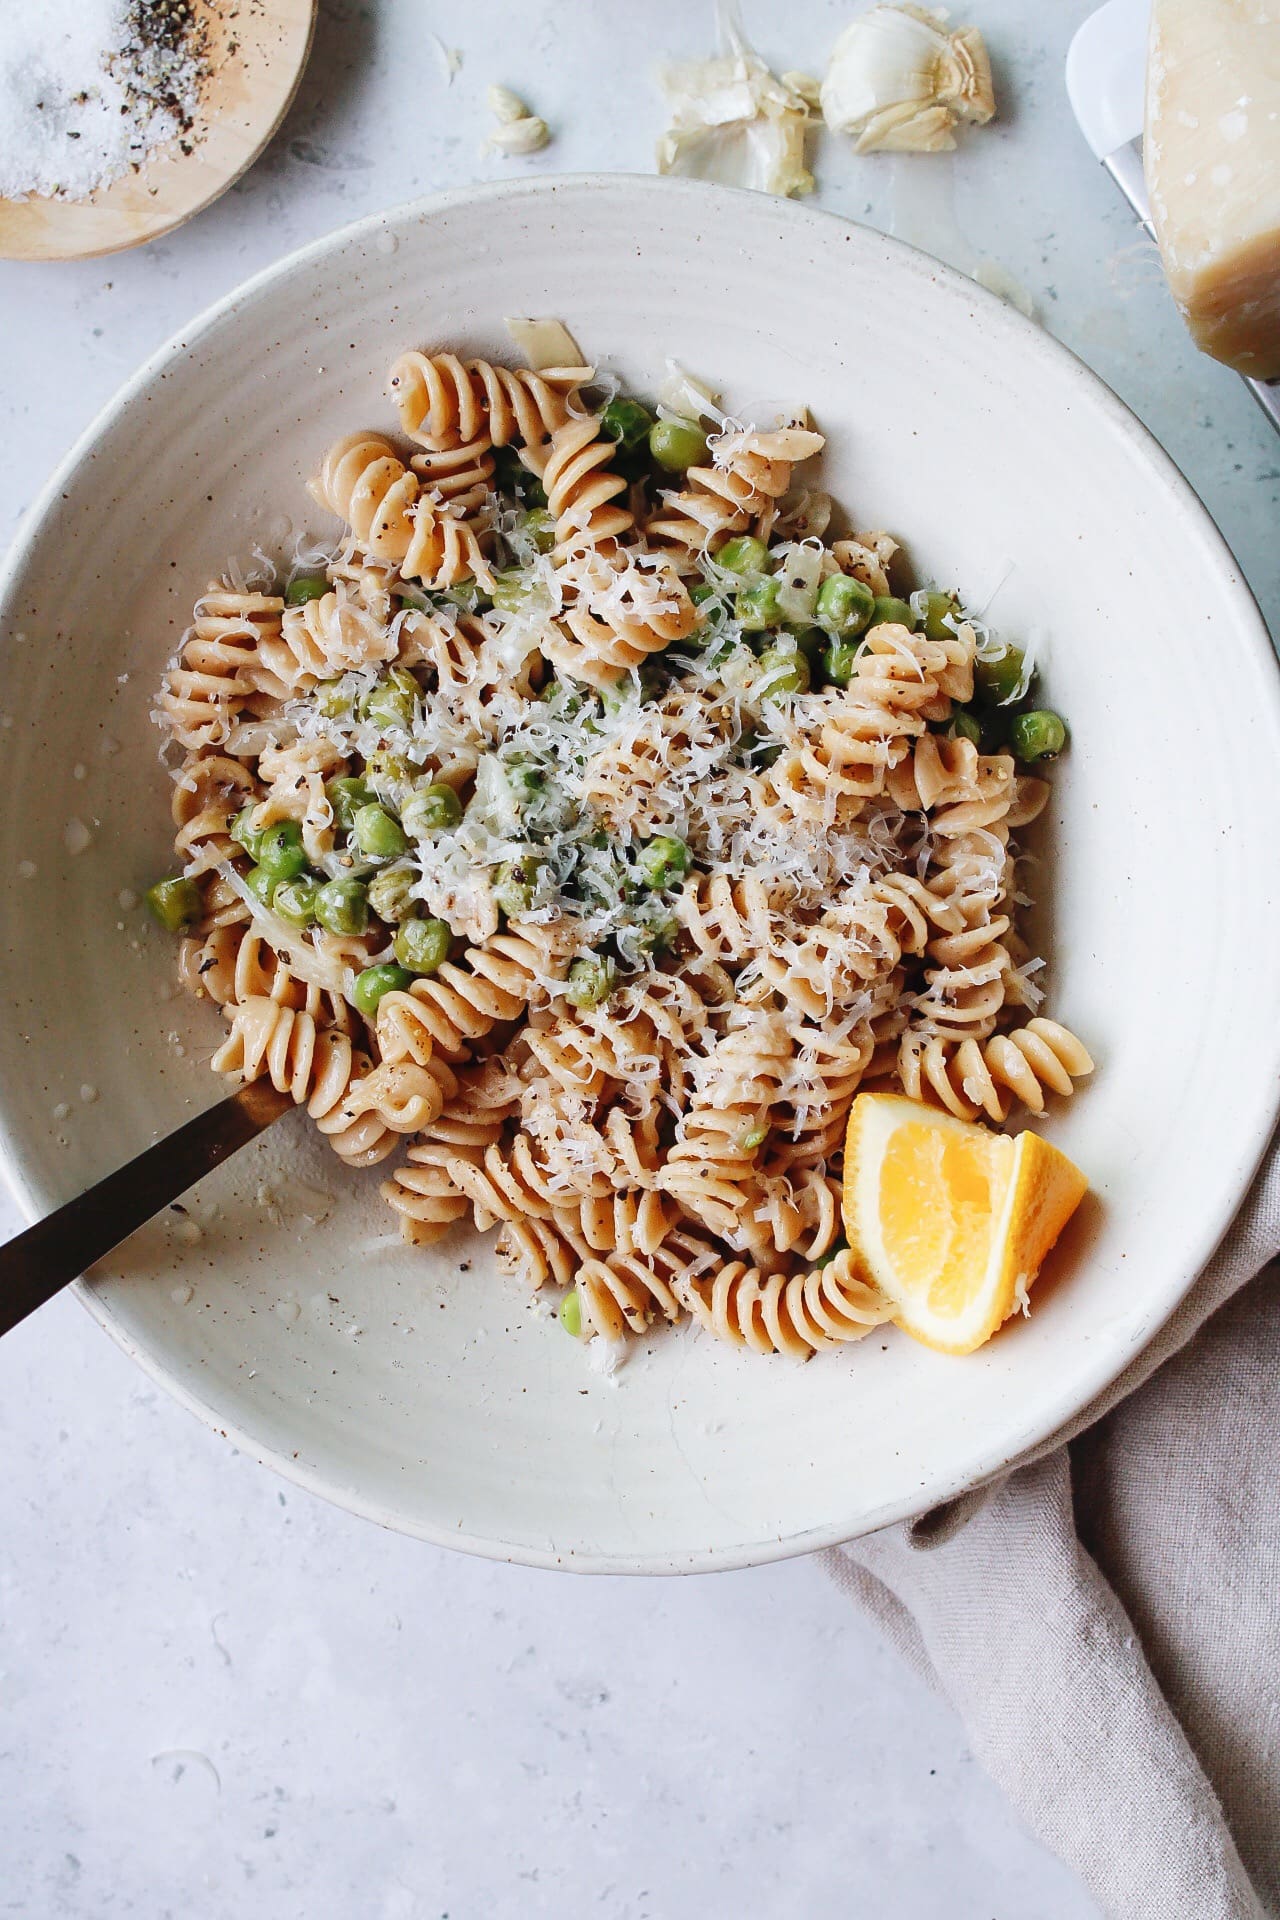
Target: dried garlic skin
734,121
900,83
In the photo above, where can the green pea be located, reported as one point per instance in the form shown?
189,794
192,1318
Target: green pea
812,643
244,833
342,906
384,767
282,853
845,606
415,602
785,671
430,810
626,421
613,699
677,444
570,1313
392,701
423,945
295,901
1038,735
262,885
591,980
335,699
525,782
663,861
661,933
998,678
308,586
511,590
889,610
745,554
512,476
346,796
378,833
964,725
513,886
376,981
753,1137
465,594
541,528
756,606
390,893
938,608
175,902
701,593
839,659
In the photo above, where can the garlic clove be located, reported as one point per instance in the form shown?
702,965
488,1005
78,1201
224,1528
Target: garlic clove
527,135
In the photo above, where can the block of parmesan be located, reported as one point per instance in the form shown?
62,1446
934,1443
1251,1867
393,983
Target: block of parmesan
1212,155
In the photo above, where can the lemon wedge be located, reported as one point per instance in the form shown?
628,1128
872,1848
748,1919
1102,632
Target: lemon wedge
951,1221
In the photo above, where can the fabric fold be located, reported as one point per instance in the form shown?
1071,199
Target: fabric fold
1091,1726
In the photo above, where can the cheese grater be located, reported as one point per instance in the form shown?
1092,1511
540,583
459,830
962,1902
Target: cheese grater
1106,84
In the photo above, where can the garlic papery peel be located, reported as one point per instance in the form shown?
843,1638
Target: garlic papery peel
898,81
732,120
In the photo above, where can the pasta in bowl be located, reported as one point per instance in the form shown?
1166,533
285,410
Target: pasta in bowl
414,1381
590,820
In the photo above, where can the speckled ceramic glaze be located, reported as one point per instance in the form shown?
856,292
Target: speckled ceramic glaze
417,1388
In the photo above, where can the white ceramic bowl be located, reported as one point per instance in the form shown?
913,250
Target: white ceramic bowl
417,1388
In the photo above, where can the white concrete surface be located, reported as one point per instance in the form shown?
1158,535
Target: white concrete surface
219,1697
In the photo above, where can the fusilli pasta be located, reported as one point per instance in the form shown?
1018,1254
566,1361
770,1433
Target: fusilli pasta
599,832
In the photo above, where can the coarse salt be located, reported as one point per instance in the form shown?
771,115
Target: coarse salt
89,88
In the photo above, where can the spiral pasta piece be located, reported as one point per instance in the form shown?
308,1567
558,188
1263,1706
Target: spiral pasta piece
750,472
345,628
423,1192
446,403
458,478
632,1290
726,919
865,732
614,618
961,790
710,1166
810,1118
363,480
312,1064
968,1078
404,1096
211,682
453,1008
801,1210
795,1314
538,1251
582,490
209,792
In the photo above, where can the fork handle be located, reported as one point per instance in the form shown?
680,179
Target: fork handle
52,1253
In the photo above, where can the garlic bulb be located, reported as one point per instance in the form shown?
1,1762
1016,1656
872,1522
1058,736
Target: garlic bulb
898,81
734,121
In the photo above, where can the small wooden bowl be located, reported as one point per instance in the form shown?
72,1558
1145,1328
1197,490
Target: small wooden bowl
256,56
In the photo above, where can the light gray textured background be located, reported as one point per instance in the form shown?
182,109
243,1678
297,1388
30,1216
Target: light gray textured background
218,1696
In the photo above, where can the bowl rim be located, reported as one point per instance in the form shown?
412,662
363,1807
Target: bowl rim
1029,1436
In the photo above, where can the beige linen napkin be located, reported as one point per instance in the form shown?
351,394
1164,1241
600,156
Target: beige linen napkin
1106,1618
